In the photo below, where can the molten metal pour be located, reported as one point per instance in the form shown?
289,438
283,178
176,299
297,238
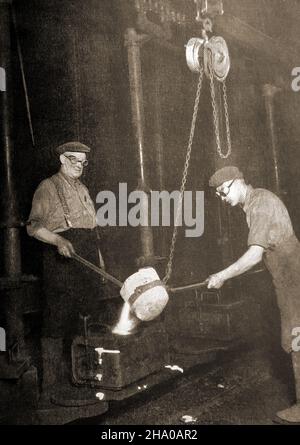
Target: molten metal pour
145,295
127,322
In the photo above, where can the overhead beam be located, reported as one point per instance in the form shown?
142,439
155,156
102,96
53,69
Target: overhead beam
248,36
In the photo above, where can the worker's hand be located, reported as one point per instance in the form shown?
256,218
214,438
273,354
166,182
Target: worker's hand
64,247
215,281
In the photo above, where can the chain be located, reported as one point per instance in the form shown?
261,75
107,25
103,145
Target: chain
226,118
216,114
189,149
184,179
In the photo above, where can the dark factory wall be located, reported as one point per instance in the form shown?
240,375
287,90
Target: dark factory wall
76,68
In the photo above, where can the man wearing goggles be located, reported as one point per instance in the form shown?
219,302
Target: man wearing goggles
271,238
63,217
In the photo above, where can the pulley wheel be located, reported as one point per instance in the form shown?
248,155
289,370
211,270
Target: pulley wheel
194,53
216,50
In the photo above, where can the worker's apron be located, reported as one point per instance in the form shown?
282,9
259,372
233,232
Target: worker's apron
283,263
69,288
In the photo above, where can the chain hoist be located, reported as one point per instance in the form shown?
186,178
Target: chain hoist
214,72
212,57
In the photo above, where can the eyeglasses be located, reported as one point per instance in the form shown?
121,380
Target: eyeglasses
74,161
223,194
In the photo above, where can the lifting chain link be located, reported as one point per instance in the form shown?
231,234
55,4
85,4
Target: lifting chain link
184,178
193,57
216,112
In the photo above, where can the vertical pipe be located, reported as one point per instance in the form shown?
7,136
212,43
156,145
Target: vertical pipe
158,141
269,92
10,220
158,133
133,42
12,252
9,208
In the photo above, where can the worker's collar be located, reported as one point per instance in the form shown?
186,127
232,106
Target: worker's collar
72,182
249,192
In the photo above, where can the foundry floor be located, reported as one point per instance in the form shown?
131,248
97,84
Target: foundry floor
246,387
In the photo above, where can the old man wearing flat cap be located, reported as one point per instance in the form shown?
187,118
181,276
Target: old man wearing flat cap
271,238
63,218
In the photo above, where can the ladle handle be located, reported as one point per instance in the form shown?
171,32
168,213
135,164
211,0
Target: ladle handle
97,270
175,290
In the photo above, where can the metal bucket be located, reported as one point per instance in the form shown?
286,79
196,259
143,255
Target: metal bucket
146,294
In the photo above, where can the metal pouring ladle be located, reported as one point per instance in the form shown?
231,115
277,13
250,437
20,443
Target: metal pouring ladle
119,283
147,296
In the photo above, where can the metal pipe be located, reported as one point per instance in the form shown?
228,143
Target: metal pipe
12,255
195,286
159,142
10,220
188,287
96,269
269,92
158,127
13,315
133,42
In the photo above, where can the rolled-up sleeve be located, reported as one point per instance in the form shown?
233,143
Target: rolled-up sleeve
259,228
41,208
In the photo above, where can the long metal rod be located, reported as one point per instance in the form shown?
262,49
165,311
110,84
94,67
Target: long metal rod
194,286
14,19
175,290
97,270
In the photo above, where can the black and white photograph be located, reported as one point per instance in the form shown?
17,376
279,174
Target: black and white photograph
149,215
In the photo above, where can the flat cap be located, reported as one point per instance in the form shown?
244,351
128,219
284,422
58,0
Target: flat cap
72,146
225,174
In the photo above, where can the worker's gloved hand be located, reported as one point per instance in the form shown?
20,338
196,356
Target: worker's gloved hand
64,247
215,281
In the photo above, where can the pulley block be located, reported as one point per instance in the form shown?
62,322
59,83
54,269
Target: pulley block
194,53
212,53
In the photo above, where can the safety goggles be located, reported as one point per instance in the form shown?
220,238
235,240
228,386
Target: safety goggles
223,193
75,161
